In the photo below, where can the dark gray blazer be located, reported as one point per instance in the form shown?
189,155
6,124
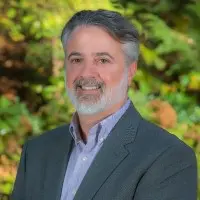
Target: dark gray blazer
138,161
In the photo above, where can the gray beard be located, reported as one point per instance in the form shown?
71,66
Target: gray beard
108,98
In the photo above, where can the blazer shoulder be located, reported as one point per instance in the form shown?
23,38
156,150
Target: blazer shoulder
158,138
49,137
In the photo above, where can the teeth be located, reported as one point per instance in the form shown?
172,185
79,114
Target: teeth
89,88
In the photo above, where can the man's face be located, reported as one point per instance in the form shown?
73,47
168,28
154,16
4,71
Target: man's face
96,75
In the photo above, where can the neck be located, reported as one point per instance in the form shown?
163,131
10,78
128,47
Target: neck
88,121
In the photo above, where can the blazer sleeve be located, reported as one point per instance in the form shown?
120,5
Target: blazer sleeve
172,176
18,192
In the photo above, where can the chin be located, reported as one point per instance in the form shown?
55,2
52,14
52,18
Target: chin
86,109
90,105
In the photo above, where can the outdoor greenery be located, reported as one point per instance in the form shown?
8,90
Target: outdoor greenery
166,89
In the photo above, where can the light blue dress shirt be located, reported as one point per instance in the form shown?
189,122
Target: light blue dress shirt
83,154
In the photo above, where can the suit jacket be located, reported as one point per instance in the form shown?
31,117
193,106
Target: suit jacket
138,161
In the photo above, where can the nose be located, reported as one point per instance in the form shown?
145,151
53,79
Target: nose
88,69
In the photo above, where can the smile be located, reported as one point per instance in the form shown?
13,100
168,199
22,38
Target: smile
89,87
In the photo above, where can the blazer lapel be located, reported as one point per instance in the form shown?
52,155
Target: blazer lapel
111,154
55,166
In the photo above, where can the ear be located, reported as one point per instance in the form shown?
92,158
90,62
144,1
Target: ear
131,71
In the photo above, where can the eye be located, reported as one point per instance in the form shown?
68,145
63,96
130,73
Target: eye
104,61
75,60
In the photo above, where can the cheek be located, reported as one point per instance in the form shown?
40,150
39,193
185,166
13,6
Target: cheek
70,79
71,74
112,79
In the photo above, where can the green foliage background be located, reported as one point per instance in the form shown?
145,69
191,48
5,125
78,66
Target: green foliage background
168,72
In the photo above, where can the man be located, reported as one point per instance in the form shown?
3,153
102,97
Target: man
108,151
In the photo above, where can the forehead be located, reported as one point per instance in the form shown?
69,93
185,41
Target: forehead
94,39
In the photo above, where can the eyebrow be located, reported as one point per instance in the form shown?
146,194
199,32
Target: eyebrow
74,53
104,54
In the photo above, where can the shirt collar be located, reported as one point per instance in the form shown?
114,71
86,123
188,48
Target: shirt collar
74,128
74,125
109,122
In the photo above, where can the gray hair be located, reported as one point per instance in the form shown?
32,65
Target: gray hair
113,23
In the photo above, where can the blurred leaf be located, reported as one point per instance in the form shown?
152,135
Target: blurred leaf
11,13
4,103
4,128
151,58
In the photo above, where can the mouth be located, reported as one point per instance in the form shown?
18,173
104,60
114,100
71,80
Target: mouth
89,89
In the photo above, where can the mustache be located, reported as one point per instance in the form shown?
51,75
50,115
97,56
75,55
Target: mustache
89,82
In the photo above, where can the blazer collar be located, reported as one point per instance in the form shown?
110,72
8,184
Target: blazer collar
110,155
55,165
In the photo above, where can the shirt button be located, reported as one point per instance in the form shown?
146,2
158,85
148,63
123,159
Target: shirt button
73,192
101,139
84,158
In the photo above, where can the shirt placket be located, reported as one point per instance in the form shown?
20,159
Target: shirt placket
82,158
